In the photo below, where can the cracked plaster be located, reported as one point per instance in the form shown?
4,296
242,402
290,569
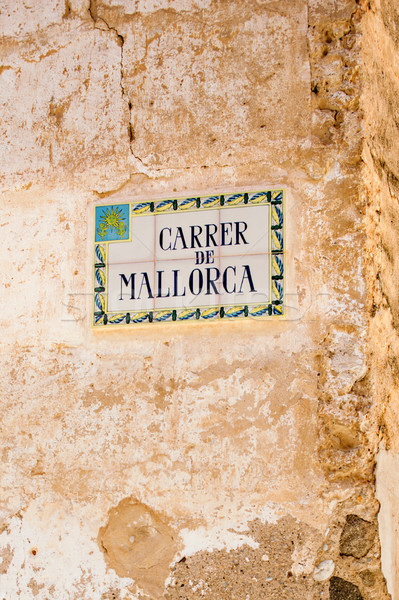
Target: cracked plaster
263,434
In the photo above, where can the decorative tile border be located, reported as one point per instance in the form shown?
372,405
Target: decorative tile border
112,224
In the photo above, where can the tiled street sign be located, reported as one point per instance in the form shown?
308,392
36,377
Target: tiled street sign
200,258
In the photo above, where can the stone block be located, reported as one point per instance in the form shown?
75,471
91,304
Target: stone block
357,537
343,590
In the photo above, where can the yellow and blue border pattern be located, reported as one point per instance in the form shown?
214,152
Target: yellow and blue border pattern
112,223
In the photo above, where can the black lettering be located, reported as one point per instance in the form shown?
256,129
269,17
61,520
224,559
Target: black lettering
210,255
225,280
247,275
239,234
126,282
209,235
199,257
161,238
200,282
224,231
145,282
211,282
159,292
194,236
180,236
176,284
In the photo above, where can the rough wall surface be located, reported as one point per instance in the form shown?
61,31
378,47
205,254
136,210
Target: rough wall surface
213,461
382,188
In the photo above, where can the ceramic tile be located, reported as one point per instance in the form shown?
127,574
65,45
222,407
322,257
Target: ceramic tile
112,222
277,241
141,246
234,199
186,285
180,235
220,256
245,280
244,230
208,202
131,287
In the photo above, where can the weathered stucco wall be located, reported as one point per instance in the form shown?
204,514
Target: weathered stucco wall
229,460
381,178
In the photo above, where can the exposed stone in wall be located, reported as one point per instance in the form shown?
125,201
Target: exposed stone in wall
382,172
334,41
382,190
343,590
278,567
357,537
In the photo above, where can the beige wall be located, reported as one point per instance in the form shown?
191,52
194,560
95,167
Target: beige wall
239,447
381,176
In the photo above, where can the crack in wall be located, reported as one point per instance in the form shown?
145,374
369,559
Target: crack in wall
158,172
121,42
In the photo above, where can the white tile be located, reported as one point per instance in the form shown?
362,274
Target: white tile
187,285
245,279
141,247
195,226
130,286
246,230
